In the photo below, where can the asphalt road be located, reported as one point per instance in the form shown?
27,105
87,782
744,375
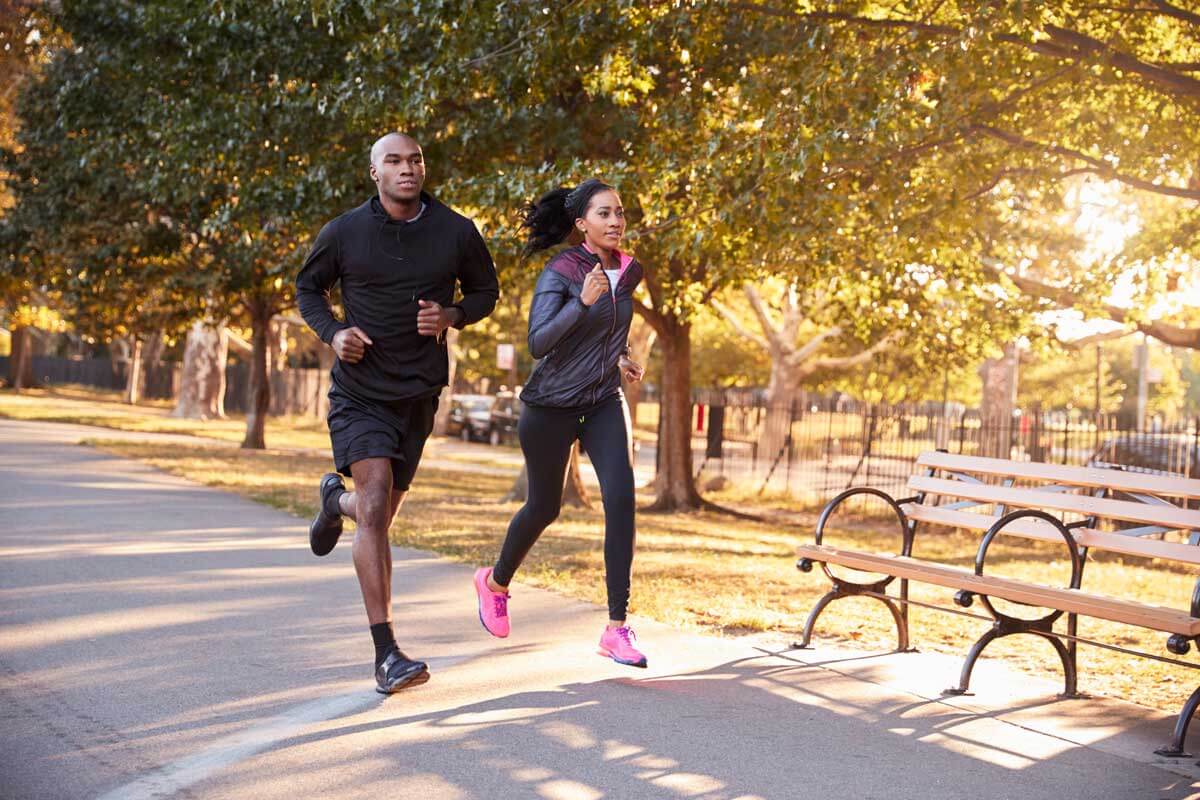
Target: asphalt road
163,639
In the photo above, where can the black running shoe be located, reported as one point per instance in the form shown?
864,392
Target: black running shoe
326,529
398,671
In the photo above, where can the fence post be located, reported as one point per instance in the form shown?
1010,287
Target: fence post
787,476
1066,439
1195,448
826,480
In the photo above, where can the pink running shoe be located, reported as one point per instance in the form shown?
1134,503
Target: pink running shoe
617,644
493,606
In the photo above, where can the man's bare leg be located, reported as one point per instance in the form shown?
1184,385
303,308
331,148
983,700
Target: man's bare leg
372,507
348,505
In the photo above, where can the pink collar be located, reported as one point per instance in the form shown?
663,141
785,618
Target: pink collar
624,258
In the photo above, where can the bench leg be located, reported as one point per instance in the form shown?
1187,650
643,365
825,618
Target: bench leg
1001,629
1175,749
833,594
901,620
964,680
826,599
1070,675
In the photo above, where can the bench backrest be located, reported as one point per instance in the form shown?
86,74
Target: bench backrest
948,485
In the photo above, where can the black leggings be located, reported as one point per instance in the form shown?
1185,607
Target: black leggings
546,438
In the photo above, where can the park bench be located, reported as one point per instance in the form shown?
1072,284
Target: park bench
1079,507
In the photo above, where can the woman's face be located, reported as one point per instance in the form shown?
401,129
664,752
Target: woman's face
604,223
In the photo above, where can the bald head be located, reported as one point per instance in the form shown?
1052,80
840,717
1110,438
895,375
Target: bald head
398,169
394,142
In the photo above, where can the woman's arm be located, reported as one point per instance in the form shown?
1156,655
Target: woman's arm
555,311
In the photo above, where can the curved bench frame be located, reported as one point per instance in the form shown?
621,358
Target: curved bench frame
1008,625
1096,506
846,588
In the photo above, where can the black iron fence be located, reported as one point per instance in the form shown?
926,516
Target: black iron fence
810,448
293,391
819,445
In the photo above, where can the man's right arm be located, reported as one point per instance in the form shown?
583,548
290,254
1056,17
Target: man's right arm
321,270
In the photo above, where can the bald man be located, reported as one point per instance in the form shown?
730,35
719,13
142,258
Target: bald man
399,258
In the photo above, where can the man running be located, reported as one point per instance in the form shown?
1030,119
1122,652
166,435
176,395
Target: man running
398,257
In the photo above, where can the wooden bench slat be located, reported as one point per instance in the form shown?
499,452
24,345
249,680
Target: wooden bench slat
1036,529
1092,477
1168,620
1169,516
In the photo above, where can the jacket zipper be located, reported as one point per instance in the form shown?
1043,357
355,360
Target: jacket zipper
604,353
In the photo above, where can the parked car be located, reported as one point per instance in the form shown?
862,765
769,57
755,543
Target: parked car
1155,453
506,411
470,417
1173,454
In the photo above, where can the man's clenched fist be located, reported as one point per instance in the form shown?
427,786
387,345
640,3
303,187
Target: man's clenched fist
350,344
433,320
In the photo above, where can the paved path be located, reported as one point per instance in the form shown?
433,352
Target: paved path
162,639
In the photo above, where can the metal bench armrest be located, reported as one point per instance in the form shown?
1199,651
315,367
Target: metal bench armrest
906,530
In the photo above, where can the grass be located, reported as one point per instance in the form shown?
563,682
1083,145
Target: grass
85,406
706,571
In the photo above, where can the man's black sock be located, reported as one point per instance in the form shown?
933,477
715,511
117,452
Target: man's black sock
332,505
385,640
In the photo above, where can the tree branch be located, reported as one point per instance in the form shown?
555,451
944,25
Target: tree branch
1097,338
1174,335
1184,85
1169,10
738,327
769,328
1099,167
653,318
798,357
1062,43
845,362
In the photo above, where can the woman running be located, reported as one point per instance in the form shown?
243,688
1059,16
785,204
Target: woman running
578,327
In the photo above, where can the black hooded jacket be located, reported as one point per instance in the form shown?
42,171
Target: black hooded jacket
579,346
385,266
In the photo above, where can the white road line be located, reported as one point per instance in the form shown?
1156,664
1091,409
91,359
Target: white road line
170,778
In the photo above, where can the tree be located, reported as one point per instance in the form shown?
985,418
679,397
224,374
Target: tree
792,334
207,119
21,46
202,383
1028,97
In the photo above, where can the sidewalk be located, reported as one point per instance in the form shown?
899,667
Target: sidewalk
440,452
162,639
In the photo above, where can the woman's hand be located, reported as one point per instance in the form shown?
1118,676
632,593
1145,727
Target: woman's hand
632,370
595,285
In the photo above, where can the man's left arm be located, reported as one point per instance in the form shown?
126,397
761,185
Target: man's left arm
477,281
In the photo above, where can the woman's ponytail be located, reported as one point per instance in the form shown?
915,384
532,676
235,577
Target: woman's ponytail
551,219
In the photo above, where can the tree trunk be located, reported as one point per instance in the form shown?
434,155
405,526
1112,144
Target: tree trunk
20,362
152,366
574,492
259,402
675,486
443,412
641,343
999,399
202,382
520,488
133,378
781,394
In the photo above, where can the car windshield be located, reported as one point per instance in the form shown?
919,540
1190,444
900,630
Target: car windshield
476,403
1150,452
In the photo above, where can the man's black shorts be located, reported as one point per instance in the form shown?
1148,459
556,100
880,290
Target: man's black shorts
362,429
